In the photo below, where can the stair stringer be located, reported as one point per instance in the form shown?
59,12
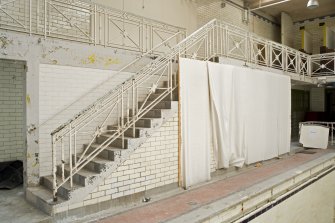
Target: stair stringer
79,194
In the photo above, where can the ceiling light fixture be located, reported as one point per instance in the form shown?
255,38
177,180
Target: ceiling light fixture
312,4
268,5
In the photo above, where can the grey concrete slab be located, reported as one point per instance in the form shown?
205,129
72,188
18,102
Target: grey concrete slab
15,209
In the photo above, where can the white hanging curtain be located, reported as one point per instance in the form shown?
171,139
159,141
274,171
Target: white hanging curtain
195,121
244,111
250,114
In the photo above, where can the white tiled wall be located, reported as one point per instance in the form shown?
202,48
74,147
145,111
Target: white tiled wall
63,94
12,112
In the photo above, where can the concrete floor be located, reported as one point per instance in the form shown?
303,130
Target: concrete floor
15,209
174,208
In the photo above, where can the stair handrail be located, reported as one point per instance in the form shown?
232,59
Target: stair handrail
206,41
110,97
128,82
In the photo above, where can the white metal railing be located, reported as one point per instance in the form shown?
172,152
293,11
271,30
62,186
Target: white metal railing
330,125
126,104
322,64
84,21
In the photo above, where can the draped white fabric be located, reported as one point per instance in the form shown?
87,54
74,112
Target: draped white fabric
195,121
250,114
248,109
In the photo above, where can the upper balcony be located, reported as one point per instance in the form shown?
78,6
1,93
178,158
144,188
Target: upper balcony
94,24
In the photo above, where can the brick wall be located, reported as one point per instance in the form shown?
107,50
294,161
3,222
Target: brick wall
12,111
152,165
211,9
317,99
287,37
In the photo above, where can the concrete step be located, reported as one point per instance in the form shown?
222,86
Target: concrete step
153,113
174,80
166,98
97,164
139,132
107,154
42,198
82,177
64,190
160,91
159,105
116,143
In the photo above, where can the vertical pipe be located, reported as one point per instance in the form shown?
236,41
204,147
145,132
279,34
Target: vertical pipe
70,154
54,168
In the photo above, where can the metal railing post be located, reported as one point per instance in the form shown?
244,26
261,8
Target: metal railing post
70,155
54,168
122,115
133,106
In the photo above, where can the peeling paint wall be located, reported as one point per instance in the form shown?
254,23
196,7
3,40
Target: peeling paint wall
36,51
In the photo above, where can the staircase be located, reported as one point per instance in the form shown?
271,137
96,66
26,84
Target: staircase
107,161
123,119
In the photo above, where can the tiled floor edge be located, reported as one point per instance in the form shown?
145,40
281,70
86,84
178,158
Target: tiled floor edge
243,202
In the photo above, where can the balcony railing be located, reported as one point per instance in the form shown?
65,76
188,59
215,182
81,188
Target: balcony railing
86,22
